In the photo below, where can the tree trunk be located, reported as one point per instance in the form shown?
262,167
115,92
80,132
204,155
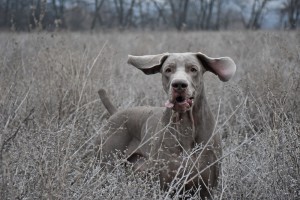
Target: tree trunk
55,9
179,13
256,14
219,8
5,19
174,16
128,18
62,13
160,12
97,14
184,13
203,10
293,13
208,18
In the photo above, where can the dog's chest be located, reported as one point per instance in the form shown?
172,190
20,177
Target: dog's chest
178,139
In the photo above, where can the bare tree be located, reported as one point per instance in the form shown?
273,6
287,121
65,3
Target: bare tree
128,17
146,17
209,18
5,18
219,12
59,10
160,8
124,15
190,14
253,21
97,14
204,13
291,9
256,14
179,12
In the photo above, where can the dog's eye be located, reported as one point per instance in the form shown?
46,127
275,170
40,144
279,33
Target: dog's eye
168,70
193,69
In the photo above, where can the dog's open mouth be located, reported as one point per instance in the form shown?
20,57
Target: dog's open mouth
180,99
180,103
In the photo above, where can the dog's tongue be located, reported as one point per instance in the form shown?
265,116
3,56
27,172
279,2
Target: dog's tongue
189,101
168,104
185,104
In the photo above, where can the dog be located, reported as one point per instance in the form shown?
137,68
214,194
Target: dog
177,137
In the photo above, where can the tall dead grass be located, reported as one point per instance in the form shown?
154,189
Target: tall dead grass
50,111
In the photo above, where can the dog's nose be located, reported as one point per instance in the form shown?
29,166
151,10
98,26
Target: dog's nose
179,84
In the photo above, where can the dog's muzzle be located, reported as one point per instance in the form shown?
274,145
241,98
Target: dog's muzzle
180,100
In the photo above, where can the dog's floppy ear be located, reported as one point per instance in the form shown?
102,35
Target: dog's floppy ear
223,67
149,64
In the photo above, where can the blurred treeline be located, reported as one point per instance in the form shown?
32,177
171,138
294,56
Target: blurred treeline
27,15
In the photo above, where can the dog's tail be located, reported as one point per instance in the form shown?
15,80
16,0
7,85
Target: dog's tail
106,102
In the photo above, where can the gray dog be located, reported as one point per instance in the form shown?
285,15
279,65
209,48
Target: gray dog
178,137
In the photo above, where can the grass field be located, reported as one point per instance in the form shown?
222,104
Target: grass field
50,111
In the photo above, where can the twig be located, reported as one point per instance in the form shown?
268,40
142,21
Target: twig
16,132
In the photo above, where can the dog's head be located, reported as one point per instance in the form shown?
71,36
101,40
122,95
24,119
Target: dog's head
182,74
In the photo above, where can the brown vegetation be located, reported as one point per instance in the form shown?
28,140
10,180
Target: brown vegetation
50,112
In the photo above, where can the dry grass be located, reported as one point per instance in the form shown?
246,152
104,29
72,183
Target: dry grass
50,112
